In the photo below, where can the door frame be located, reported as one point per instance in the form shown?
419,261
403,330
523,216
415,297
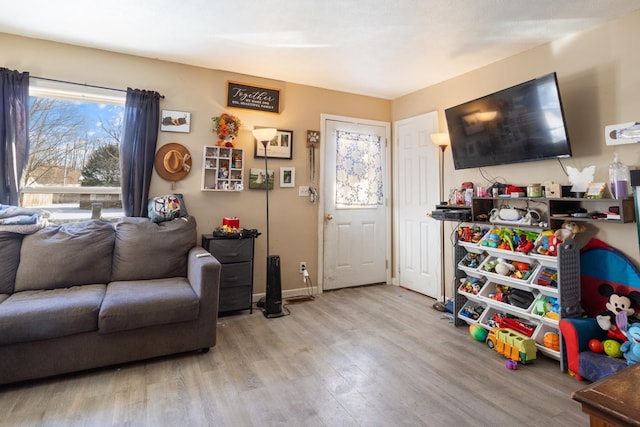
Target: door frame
388,189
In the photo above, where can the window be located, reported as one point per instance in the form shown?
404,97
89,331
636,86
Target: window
73,166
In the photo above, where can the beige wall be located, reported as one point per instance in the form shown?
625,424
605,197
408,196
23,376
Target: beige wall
599,80
597,72
201,91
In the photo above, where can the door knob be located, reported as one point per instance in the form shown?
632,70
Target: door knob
329,217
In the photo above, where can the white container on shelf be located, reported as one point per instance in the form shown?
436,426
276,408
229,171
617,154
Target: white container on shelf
538,337
486,269
489,294
471,262
474,310
471,287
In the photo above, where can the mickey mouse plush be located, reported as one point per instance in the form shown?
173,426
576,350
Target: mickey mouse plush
619,309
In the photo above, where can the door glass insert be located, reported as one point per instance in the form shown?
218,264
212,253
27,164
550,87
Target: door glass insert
358,170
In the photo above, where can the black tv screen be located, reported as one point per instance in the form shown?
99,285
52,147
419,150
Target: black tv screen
522,123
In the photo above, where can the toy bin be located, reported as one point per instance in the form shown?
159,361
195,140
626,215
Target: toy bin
546,280
471,312
470,286
498,318
548,341
471,262
511,298
546,309
505,241
517,271
469,236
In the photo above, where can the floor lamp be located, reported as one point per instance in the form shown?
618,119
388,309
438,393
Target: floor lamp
442,141
273,299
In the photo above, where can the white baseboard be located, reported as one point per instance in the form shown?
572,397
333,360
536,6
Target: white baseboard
290,293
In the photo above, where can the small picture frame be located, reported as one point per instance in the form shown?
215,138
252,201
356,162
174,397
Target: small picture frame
287,177
258,179
280,147
175,121
313,138
595,190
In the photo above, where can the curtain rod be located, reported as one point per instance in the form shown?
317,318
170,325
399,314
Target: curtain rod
81,84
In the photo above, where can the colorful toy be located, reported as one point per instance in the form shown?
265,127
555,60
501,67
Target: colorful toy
513,345
510,364
631,348
478,332
518,325
551,340
471,285
492,238
548,277
465,233
612,348
619,309
525,240
568,230
596,346
478,234
547,244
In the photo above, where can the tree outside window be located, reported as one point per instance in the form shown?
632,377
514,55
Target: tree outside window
74,157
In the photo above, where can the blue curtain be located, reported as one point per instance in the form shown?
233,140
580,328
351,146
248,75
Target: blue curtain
138,148
14,133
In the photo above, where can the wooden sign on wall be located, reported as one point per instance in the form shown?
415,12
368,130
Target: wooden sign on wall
240,95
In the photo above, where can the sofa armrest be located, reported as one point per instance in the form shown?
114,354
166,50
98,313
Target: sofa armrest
203,273
576,333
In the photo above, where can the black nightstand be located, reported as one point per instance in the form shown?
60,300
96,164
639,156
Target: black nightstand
236,276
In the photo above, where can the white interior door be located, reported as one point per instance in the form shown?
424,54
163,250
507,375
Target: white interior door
417,237
355,182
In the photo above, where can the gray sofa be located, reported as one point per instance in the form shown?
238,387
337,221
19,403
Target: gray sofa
91,294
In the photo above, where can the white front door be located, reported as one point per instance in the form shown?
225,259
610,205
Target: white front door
355,187
417,237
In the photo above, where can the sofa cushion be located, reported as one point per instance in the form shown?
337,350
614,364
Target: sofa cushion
66,255
137,304
146,250
45,314
3,297
10,255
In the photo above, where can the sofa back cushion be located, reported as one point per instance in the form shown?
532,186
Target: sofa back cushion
9,258
66,255
147,250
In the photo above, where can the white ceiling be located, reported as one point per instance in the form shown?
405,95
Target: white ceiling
380,48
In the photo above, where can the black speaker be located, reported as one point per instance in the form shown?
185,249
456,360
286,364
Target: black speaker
273,302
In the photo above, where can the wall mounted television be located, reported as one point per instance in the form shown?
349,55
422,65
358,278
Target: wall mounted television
522,123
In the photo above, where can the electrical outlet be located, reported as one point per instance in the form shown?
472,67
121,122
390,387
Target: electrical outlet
303,266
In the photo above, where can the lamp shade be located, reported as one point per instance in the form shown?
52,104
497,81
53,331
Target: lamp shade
441,139
264,134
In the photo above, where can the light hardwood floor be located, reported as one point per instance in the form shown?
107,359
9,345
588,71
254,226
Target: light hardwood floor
371,356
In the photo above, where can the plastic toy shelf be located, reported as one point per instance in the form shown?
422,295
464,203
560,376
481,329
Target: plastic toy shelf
544,287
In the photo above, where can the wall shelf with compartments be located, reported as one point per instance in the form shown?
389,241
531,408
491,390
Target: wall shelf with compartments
532,291
222,169
555,211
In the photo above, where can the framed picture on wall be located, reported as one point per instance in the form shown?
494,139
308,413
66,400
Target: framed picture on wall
287,177
259,179
280,147
175,121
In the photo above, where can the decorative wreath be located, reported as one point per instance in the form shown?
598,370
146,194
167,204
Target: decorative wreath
226,126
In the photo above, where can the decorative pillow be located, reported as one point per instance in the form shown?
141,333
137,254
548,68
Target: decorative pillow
166,208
